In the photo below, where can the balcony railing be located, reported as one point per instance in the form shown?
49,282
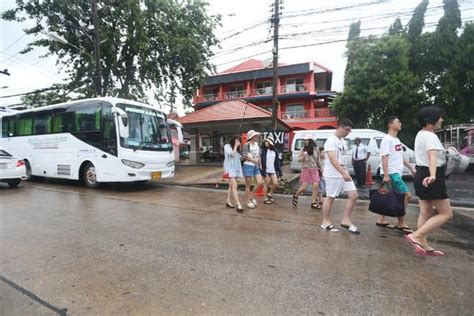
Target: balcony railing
210,97
262,91
234,95
294,115
294,88
324,113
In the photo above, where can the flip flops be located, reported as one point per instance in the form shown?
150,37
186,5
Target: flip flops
434,253
315,205
418,248
352,229
330,228
386,225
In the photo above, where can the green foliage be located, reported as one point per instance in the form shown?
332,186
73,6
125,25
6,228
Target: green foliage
157,45
417,21
404,70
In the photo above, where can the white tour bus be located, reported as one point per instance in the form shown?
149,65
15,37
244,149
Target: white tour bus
369,137
93,140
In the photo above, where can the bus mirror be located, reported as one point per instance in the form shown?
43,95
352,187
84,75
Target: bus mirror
123,121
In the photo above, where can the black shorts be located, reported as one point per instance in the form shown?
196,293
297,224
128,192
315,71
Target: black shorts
435,191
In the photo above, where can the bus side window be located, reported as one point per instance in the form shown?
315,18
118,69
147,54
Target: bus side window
24,126
8,126
42,123
62,122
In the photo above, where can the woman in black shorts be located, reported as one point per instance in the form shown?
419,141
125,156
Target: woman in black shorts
429,182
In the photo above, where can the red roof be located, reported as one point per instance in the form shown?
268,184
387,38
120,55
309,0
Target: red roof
227,111
250,64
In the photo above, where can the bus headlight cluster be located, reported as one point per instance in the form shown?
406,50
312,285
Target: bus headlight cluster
170,164
133,164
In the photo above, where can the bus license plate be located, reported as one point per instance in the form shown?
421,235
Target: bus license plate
156,175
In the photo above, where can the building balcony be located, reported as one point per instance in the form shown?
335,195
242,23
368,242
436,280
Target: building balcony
210,97
235,95
324,113
294,88
295,115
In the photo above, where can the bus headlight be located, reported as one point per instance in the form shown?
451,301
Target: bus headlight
133,164
170,164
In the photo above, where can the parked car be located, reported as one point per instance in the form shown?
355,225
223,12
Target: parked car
12,169
369,137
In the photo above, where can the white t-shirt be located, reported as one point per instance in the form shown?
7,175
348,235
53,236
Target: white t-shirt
338,146
392,147
361,151
271,155
254,153
425,141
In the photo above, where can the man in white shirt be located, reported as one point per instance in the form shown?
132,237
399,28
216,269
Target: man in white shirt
252,165
360,155
337,178
391,151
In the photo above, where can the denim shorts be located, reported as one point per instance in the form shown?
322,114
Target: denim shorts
251,170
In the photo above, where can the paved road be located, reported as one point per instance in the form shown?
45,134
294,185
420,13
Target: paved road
174,250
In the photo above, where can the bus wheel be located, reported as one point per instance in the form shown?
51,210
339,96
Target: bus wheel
90,176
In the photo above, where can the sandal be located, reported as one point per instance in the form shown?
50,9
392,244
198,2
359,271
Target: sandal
239,209
315,205
295,200
352,229
229,205
434,253
267,201
418,247
330,228
270,197
406,230
386,225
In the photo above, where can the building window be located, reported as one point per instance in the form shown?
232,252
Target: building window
235,92
264,88
294,85
294,111
210,94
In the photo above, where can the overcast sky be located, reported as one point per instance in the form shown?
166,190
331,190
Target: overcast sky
319,26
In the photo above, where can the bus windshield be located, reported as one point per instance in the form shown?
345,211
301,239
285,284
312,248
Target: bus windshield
147,129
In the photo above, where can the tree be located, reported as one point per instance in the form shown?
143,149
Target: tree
417,21
354,35
380,83
396,28
144,45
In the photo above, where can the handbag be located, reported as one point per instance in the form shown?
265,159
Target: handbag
386,202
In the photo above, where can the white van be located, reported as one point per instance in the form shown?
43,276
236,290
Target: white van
369,137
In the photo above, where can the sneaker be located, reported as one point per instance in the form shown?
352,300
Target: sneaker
253,201
250,205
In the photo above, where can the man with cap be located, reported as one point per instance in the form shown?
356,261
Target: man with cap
360,155
271,168
252,164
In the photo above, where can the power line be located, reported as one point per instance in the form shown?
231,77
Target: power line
14,42
27,93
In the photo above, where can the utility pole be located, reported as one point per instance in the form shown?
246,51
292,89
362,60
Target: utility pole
276,23
96,41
